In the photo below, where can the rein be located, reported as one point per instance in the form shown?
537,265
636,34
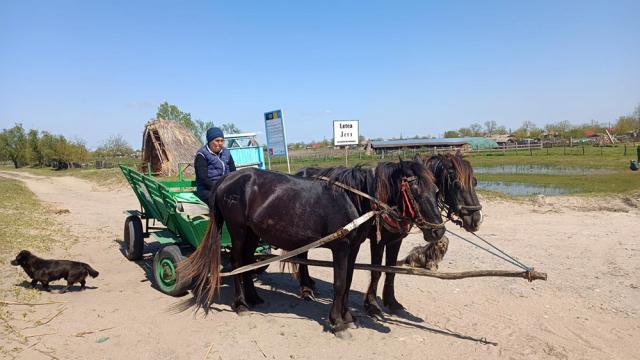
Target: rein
392,220
410,202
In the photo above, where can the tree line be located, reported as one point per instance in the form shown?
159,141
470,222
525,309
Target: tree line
42,148
628,124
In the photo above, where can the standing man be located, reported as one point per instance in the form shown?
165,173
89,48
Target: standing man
212,161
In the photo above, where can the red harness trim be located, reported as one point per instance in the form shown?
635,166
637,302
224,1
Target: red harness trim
404,226
406,202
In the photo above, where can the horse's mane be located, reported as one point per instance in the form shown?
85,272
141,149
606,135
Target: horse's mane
388,176
461,167
357,177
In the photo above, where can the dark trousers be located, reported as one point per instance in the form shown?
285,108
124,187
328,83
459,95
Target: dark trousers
203,195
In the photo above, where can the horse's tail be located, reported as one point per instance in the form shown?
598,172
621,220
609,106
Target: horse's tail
203,266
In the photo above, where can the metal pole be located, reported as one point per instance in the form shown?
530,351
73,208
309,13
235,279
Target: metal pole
268,157
286,146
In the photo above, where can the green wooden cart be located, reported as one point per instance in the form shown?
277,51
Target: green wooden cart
175,217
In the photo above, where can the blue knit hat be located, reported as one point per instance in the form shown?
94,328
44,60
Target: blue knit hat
213,133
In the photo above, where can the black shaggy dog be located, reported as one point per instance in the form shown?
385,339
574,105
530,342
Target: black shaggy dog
46,271
427,256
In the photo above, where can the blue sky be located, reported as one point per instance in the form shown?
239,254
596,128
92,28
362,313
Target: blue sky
91,70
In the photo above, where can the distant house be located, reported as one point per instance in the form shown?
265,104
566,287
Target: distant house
453,144
503,140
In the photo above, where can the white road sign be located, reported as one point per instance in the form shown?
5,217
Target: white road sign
345,132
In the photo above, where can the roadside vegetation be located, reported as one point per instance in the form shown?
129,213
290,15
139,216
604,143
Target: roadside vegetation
25,223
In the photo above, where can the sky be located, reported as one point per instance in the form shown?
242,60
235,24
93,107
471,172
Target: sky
90,70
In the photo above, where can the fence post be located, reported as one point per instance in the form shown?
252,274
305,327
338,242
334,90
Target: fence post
582,149
625,149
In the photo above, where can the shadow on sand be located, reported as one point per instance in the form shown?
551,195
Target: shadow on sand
280,293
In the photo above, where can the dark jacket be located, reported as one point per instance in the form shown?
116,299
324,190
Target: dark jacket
210,167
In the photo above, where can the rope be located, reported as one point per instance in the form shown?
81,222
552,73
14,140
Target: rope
523,266
510,259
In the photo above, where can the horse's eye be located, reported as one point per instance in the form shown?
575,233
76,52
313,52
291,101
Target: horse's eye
475,181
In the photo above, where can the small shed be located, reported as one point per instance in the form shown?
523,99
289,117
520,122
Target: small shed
443,144
165,144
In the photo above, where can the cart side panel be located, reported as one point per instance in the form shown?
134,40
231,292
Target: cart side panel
135,179
193,228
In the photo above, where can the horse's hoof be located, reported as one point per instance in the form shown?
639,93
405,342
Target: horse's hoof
394,307
352,325
343,334
374,311
241,309
341,331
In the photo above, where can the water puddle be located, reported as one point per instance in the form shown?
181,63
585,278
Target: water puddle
522,189
538,169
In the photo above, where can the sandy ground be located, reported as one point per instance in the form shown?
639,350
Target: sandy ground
588,309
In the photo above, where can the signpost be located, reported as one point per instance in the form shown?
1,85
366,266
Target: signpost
345,133
276,136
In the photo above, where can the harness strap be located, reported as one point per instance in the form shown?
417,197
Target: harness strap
356,191
418,219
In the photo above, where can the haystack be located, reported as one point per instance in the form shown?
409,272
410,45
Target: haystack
165,144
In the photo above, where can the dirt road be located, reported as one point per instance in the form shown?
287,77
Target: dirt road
589,307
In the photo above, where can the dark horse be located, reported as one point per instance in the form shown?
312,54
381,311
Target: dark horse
456,183
454,176
290,212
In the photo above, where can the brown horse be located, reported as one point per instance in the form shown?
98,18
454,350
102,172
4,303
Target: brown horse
290,212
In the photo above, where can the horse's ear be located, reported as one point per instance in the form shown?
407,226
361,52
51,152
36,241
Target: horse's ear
417,158
400,158
458,153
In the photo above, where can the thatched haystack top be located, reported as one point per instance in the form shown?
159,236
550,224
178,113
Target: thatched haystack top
166,143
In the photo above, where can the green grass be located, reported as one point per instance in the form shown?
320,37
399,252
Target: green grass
594,157
25,223
619,180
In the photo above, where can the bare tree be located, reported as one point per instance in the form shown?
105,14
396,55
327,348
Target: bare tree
490,127
476,129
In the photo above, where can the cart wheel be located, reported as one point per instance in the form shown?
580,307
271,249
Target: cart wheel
133,238
165,273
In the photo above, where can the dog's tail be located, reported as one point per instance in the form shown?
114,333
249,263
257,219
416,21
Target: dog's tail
91,270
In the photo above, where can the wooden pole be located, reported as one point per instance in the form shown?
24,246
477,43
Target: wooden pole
346,156
533,275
